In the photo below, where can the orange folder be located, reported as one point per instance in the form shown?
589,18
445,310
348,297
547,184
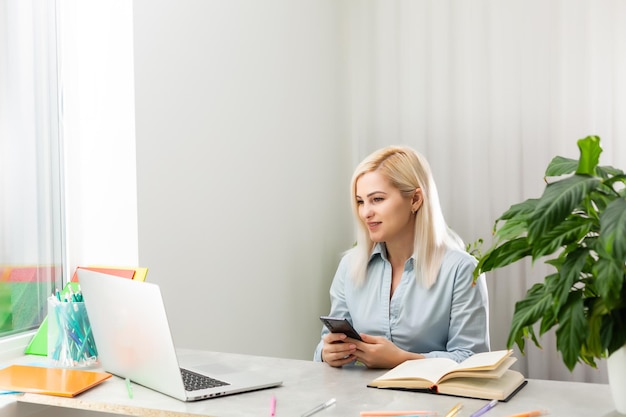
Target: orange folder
120,272
50,381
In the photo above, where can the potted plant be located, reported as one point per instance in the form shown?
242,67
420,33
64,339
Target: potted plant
578,226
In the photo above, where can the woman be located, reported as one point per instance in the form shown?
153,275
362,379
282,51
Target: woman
407,284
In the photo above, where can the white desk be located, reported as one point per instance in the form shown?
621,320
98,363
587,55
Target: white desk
307,384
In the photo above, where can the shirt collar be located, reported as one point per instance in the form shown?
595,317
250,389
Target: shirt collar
380,250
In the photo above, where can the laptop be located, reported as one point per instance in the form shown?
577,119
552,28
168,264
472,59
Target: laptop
133,338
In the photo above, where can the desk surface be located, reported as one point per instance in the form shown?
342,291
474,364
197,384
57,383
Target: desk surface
307,384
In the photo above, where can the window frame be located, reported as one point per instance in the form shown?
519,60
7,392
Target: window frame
33,24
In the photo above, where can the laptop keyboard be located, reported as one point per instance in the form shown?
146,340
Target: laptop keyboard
194,381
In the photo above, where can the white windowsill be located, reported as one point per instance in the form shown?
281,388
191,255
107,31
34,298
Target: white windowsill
13,347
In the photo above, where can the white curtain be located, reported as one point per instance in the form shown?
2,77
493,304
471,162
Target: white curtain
30,203
28,133
490,91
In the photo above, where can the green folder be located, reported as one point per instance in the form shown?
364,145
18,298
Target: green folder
39,343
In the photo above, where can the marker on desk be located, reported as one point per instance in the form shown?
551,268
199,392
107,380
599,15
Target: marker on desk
272,405
533,413
397,413
486,408
434,413
454,410
129,388
319,408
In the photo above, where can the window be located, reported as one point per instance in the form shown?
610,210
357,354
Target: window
30,167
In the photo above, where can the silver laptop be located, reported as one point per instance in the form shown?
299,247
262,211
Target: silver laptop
133,339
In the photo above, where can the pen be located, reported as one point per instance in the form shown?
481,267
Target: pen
319,408
272,405
533,413
396,413
129,388
486,408
454,410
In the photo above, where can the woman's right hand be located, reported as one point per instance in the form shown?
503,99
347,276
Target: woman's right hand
338,349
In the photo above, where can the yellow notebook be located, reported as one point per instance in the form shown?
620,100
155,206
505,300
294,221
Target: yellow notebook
50,381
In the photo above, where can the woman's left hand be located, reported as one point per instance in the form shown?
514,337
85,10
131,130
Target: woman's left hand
378,352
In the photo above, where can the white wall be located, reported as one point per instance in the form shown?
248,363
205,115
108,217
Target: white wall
242,167
96,80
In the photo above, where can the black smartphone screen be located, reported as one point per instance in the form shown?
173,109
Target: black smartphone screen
340,325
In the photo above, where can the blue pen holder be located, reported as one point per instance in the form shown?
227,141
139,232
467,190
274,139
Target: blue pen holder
70,340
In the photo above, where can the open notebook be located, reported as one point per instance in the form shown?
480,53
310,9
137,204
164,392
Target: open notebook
133,338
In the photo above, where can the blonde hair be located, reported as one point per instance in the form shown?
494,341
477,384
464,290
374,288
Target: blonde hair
407,170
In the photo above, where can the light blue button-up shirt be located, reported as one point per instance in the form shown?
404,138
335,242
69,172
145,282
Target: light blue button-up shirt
450,319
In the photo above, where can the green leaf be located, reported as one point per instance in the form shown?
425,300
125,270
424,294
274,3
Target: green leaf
608,171
511,229
594,344
527,312
569,274
503,255
590,151
614,330
519,209
548,321
570,231
598,199
613,230
515,220
552,284
561,166
559,199
611,182
609,280
572,331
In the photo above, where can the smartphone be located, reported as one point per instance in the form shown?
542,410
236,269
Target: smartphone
340,325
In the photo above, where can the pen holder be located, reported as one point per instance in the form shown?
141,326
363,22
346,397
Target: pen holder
70,341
